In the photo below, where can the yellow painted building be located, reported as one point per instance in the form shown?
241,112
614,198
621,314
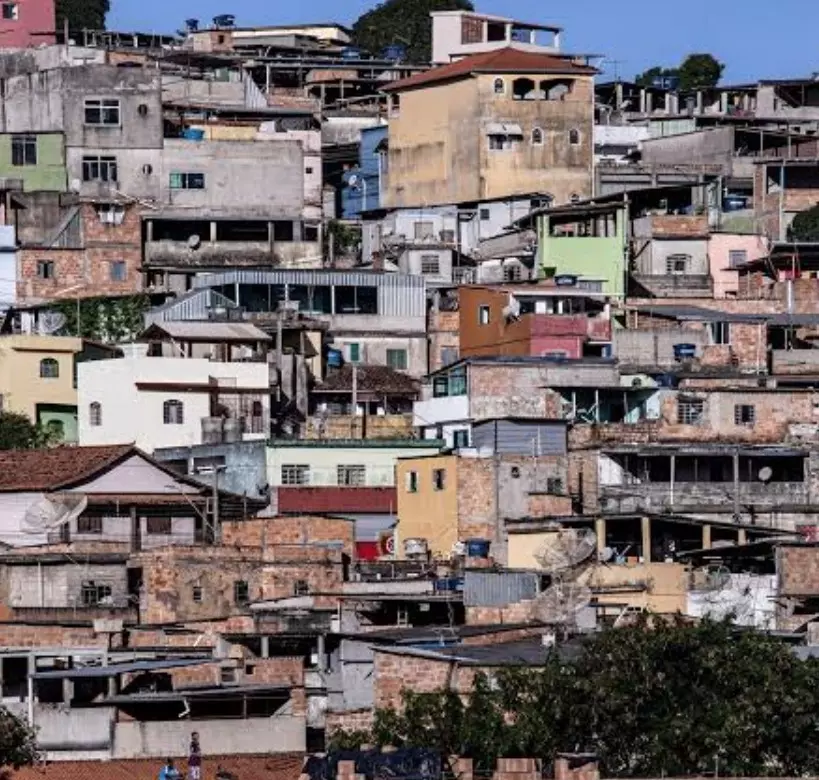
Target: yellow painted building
37,380
427,489
491,126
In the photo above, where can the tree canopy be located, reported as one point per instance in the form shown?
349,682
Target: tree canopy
402,22
17,745
665,700
17,432
805,225
696,71
82,14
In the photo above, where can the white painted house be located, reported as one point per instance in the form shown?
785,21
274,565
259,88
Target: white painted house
158,402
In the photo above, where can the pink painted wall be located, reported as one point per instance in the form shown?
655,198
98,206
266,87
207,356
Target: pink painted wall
720,246
33,16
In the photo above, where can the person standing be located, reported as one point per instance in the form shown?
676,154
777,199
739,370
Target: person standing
194,758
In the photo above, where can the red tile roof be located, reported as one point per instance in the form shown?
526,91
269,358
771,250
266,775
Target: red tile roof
285,766
57,468
507,60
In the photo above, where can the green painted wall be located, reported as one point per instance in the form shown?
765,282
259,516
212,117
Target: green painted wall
598,258
48,174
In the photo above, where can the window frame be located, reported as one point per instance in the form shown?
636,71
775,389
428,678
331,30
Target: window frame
412,482
430,265
301,588
351,475
106,108
93,594
745,415
186,180
100,167
537,136
439,480
732,261
719,332
45,269
173,412
484,314
294,474
162,525
49,368
460,438
14,12
89,525
672,260
690,411
23,146
197,594
574,137
241,593
402,362
95,414
118,265
499,86
354,352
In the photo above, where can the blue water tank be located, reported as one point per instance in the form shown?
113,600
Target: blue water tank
684,351
351,53
192,134
335,358
395,52
477,548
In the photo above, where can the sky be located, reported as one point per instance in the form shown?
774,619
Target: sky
755,39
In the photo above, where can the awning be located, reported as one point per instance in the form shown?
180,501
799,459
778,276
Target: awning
498,128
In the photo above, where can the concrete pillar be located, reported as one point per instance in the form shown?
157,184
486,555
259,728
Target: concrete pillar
649,102
706,537
618,95
600,530
645,523
642,100
213,231
149,230
742,536
265,647
113,685
68,690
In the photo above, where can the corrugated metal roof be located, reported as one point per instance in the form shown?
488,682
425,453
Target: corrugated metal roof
86,672
193,305
218,331
497,589
309,277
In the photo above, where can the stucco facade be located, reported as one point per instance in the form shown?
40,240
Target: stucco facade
132,394
725,251
38,159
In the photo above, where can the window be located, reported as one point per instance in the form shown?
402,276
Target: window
102,112
483,315
11,11
537,137
117,270
196,594
158,526
512,272
241,592
460,439
95,414
484,215
677,264
514,472
49,368
524,89
498,143
308,170
424,230
310,232
301,588
430,264
96,168
574,136
499,87
744,414
24,150
438,479
448,236
187,181
397,359
92,594
690,411
227,674
737,257
173,412
89,524
45,269
354,353
351,476
720,333
295,474
395,105
412,482
554,486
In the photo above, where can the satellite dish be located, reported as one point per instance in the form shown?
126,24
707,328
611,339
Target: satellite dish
606,554
560,602
76,185
511,312
352,180
53,511
194,241
765,474
50,322
568,549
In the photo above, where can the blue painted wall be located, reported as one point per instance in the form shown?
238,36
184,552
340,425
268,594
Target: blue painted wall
352,198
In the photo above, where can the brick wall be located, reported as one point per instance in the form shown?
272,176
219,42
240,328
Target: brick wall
289,530
443,334
512,614
798,569
679,225
352,720
19,635
477,499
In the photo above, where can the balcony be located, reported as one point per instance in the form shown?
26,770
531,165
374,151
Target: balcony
237,254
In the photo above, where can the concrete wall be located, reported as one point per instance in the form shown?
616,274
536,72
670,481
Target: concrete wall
158,739
720,246
48,174
714,146
81,730
654,347
246,178
61,586
373,349
651,259
133,415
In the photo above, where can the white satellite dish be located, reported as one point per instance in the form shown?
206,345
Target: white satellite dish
52,512
569,548
352,180
50,322
560,602
765,474
194,241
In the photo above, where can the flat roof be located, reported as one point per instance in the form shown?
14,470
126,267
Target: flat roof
90,672
193,693
495,18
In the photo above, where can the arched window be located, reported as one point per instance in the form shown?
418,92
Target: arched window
49,368
173,412
524,89
95,413
537,137
574,136
499,87
555,90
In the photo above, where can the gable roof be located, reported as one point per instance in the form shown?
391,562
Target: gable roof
378,380
506,60
56,468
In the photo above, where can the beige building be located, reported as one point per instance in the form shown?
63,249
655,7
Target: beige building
491,125
37,380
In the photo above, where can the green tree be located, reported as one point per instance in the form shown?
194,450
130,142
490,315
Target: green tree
805,225
660,700
82,14
17,432
17,745
646,79
700,70
403,22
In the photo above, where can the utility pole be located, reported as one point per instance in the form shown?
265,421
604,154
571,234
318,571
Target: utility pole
354,415
215,500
